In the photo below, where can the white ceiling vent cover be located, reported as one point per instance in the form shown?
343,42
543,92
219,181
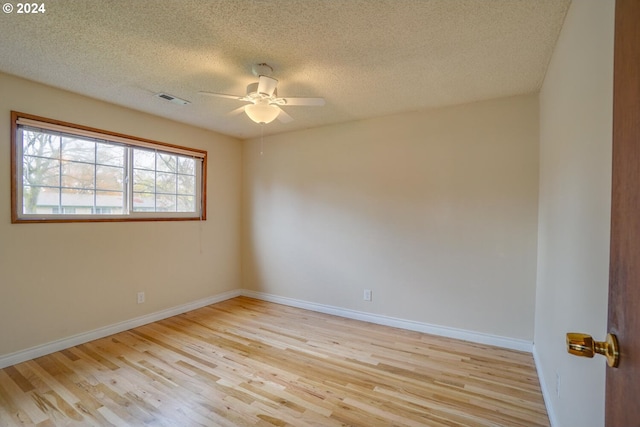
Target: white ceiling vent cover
171,98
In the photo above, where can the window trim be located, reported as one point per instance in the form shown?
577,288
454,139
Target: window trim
18,119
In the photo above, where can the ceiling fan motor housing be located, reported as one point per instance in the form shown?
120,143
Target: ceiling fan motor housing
252,91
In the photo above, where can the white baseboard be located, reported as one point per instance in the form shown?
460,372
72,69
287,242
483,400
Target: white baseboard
61,344
553,420
461,334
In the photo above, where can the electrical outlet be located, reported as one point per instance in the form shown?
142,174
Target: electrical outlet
140,297
367,295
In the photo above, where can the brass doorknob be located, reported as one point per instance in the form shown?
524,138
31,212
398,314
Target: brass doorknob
583,345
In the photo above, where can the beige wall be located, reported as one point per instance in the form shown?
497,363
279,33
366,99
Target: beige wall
434,211
57,280
575,197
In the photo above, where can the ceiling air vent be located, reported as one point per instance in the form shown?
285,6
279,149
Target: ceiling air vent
171,98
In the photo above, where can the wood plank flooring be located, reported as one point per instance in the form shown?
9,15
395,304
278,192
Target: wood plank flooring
245,362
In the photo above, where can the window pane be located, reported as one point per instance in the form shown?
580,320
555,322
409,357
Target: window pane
77,175
144,159
40,171
144,181
166,162
165,203
165,183
39,200
108,154
78,150
109,203
144,202
186,165
40,144
186,184
186,204
109,178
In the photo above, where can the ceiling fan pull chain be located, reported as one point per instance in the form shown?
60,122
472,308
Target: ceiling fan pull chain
261,138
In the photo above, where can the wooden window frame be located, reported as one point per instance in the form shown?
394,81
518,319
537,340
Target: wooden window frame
108,136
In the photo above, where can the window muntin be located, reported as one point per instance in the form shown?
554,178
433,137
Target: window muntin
64,172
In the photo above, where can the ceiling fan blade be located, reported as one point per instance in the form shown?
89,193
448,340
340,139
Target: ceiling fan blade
222,95
312,102
267,85
237,111
283,116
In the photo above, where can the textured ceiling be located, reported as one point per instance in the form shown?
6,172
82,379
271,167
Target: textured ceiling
367,58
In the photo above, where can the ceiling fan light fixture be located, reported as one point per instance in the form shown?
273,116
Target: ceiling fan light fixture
262,112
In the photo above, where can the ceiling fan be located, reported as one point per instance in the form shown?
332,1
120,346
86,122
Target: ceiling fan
262,95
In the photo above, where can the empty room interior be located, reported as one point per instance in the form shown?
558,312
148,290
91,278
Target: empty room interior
304,213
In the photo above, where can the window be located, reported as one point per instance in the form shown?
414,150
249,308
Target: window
64,172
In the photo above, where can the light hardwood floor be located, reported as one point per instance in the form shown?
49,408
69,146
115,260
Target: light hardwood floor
245,362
